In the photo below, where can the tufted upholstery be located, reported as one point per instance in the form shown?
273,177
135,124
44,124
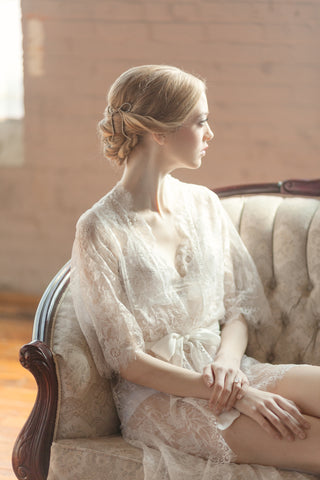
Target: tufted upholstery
283,237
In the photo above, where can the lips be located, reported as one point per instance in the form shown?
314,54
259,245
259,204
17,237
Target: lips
203,151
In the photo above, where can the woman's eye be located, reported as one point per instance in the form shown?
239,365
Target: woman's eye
203,122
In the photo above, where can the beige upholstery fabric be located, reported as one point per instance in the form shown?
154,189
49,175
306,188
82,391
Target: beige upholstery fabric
86,407
283,237
93,459
113,459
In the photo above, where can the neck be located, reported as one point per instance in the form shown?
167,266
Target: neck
143,178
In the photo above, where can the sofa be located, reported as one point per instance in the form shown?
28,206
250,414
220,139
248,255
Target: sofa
73,431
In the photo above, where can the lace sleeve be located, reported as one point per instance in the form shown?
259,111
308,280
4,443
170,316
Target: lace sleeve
111,330
243,290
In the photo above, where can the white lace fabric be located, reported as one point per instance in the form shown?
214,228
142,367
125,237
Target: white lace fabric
129,298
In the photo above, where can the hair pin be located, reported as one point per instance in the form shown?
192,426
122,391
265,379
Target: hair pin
124,108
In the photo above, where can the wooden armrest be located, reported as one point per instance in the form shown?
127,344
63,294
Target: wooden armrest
31,453
302,187
288,187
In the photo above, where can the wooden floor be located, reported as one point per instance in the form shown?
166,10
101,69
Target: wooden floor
17,386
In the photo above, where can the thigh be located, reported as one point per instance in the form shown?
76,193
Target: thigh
301,384
185,424
251,444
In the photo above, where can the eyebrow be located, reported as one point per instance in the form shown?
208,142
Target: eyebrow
203,114
200,115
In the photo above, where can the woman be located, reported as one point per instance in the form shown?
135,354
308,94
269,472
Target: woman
164,290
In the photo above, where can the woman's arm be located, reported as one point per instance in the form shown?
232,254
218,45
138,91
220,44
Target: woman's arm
234,340
154,373
224,375
277,416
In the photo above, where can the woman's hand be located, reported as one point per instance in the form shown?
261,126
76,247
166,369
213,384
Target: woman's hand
227,381
278,416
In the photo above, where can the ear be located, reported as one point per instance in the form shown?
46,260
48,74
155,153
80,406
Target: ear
160,138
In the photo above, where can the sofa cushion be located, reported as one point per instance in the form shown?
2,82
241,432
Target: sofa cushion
100,458
113,459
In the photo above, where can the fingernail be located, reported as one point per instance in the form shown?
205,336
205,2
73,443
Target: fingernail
302,435
239,396
208,381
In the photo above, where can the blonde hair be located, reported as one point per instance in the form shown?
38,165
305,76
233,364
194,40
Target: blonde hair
149,98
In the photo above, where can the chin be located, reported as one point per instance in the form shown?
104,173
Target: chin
193,164
197,164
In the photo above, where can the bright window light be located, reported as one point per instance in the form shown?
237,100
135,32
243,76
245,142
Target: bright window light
11,69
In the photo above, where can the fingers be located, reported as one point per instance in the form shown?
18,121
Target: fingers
207,376
244,388
269,421
221,384
238,391
228,386
284,418
292,418
291,408
227,389
280,424
265,424
278,416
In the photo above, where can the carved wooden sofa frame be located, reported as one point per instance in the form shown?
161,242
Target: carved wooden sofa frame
31,454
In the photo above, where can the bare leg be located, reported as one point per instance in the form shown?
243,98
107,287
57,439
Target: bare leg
246,438
301,384
252,445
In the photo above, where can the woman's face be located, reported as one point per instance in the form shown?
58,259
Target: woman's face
187,146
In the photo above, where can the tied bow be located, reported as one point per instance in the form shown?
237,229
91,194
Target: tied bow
124,108
171,348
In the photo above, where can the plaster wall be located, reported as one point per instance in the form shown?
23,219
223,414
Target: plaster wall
262,65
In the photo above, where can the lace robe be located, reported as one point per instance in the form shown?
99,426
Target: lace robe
128,298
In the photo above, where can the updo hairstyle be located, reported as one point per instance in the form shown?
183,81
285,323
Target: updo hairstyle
150,98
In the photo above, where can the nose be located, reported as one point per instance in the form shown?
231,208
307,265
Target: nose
209,135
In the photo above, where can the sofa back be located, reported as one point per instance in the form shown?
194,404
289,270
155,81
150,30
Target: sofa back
283,237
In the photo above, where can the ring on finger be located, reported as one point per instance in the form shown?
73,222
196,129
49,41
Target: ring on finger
237,380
